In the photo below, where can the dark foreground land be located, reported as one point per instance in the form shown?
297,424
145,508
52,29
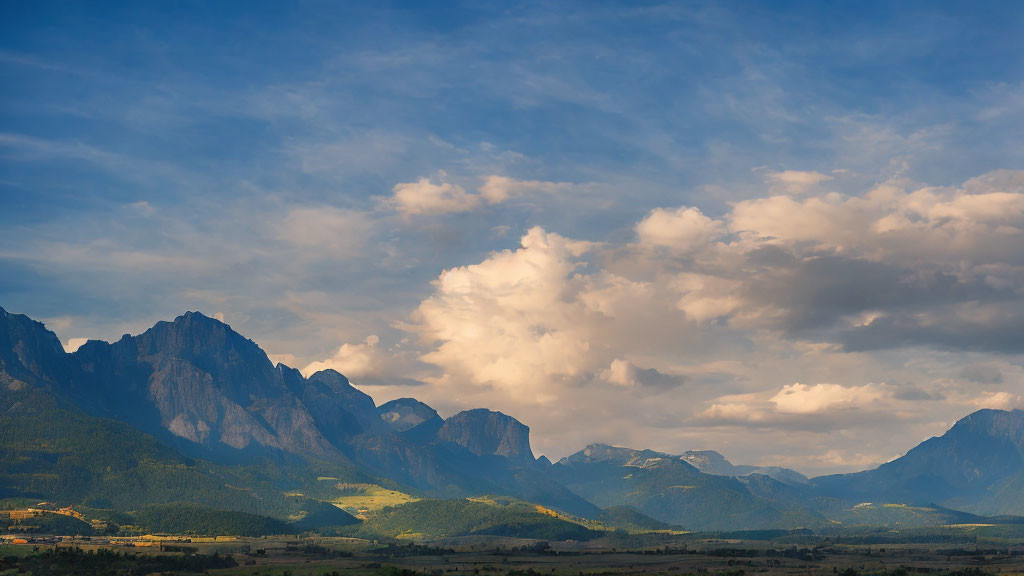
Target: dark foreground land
651,554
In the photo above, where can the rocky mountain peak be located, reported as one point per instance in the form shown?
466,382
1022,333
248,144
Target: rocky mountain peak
708,461
404,413
339,407
237,366
28,351
612,454
1002,424
485,432
331,378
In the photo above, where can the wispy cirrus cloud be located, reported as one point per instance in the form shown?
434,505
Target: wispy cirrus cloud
424,197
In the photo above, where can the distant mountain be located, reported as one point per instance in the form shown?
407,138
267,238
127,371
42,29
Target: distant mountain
201,388
190,412
414,420
670,490
405,413
977,466
711,462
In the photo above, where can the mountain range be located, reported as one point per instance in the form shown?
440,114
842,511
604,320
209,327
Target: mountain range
192,413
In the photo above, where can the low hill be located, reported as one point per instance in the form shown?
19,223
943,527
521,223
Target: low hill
431,519
625,518
44,522
317,515
903,516
205,521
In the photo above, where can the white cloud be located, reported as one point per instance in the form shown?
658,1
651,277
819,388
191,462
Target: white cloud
286,359
513,321
803,399
557,318
355,361
707,297
498,189
999,401
842,459
626,374
795,181
894,222
685,229
620,372
142,207
74,344
424,197
817,406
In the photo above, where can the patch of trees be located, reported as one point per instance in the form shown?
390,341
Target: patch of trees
200,520
73,561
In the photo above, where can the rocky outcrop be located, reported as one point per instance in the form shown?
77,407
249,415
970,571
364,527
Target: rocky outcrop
485,432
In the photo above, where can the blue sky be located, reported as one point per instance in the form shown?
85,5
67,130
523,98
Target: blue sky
684,172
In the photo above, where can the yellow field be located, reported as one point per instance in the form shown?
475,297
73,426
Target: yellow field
361,499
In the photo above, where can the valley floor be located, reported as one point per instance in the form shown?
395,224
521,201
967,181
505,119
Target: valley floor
478,556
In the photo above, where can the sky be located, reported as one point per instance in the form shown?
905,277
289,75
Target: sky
792,232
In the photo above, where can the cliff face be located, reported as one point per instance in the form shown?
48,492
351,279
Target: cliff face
209,385
484,432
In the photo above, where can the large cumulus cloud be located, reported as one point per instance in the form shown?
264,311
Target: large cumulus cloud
787,312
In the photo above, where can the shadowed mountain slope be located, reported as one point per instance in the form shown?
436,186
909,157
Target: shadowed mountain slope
198,386
405,413
414,420
977,466
60,454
